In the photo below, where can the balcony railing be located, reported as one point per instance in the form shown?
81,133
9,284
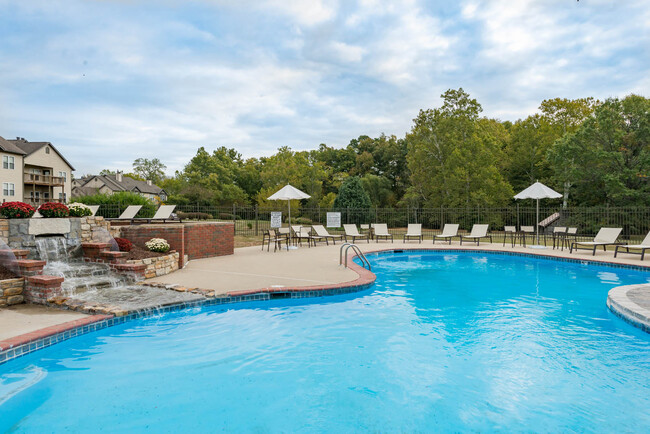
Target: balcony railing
39,200
38,179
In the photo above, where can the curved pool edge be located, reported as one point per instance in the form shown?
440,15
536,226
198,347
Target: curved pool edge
626,308
19,346
39,339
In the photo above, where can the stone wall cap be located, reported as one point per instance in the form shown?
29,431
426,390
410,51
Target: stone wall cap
45,279
30,263
95,245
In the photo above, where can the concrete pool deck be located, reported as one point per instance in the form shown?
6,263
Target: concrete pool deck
251,270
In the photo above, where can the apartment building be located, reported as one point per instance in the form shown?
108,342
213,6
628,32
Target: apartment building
33,172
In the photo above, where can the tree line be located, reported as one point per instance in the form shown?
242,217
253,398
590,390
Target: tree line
593,152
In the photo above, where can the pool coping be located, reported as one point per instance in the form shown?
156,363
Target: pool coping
625,308
29,342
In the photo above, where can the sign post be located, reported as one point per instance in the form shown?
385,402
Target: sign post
276,219
333,219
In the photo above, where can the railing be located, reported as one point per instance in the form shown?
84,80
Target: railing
343,256
36,178
251,220
40,200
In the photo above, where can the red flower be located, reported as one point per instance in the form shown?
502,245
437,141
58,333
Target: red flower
16,210
123,244
53,209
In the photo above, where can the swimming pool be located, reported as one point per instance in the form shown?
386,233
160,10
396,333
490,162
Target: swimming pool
442,341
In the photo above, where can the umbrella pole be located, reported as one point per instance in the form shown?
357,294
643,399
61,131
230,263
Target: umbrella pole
537,222
289,202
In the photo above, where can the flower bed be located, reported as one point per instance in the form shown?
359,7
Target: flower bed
16,210
79,210
53,210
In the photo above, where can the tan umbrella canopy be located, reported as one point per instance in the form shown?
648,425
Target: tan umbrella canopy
289,193
538,191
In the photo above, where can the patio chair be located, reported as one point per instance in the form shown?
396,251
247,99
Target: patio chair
478,232
93,209
510,231
271,236
304,233
558,234
129,213
525,231
414,230
605,237
352,232
163,213
645,245
381,232
449,231
321,233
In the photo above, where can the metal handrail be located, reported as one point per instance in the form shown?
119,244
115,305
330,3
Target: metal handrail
355,248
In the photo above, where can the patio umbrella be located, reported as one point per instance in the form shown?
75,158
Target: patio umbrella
538,191
289,193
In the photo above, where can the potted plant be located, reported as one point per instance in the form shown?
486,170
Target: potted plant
16,210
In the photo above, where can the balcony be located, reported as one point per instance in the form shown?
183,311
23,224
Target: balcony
36,201
38,179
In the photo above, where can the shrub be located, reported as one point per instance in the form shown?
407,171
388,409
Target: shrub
53,209
157,245
123,244
79,210
227,216
194,215
16,210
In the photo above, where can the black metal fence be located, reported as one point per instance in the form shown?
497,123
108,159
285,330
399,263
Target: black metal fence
251,221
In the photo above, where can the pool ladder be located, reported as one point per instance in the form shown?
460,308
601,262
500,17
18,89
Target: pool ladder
356,250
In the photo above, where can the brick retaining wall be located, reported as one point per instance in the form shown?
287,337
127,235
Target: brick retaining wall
194,240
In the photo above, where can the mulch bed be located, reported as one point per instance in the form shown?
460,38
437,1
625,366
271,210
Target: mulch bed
5,273
140,253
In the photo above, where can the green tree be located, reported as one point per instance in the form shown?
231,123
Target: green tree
607,159
454,156
216,173
153,169
352,195
379,189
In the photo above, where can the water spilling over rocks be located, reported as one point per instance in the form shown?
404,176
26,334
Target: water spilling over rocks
96,284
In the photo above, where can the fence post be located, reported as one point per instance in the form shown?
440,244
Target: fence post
256,219
234,218
518,224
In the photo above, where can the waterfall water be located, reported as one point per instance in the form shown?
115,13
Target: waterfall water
97,283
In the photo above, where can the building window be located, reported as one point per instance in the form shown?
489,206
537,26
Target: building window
46,195
63,175
8,189
8,162
47,149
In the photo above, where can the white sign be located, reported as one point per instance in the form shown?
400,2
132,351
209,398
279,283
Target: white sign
276,219
333,219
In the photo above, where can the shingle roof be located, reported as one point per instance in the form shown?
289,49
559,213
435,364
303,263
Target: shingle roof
7,146
84,191
29,148
129,184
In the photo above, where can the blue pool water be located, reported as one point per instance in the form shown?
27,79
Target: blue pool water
442,342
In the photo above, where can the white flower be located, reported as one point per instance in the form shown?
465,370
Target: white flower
157,245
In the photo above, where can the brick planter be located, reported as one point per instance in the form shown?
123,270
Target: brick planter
11,291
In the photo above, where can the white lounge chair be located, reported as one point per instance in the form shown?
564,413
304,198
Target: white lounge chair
605,237
163,213
129,213
321,233
381,232
449,231
93,209
352,232
645,245
304,233
414,230
478,232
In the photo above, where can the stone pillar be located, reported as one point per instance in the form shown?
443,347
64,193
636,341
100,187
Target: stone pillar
38,289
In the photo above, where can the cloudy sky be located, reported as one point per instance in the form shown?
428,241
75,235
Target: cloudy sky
108,81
